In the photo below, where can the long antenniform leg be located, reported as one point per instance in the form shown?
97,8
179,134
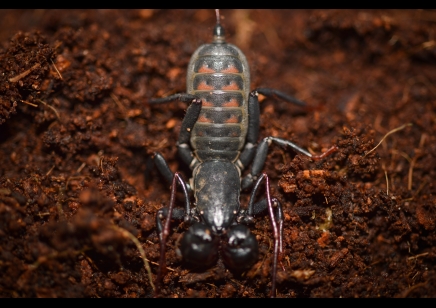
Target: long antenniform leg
185,153
276,222
164,229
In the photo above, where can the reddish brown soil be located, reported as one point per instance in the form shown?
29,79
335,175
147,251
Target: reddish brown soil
77,184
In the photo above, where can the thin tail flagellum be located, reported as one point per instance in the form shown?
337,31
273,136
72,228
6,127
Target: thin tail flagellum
218,32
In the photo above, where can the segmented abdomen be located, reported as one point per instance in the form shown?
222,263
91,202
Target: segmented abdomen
219,77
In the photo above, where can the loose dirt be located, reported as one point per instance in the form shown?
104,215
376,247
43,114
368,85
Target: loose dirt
79,193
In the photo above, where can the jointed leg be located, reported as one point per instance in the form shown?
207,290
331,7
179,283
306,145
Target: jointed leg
276,222
253,130
184,97
188,123
164,229
183,143
281,95
163,167
262,152
262,149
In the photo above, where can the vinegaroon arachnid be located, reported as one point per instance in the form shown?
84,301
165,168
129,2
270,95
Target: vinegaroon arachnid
218,141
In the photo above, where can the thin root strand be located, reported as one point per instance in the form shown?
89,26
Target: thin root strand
24,74
389,133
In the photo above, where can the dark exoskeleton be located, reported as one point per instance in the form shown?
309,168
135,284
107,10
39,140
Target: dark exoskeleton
218,140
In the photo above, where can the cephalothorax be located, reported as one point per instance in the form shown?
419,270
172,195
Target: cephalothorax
218,141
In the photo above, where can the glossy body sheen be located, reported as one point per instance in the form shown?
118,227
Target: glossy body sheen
218,141
219,75
216,191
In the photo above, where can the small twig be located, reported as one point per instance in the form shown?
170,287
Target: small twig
24,74
59,73
72,178
212,285
157,264
92,263
118,103
141,251
407,157
236,282
413,161
28,103
410,175
43,214
51,169
391,132
81,167
417,256
387,180
53,255
417,191
409,290
51,107
422,140
101,163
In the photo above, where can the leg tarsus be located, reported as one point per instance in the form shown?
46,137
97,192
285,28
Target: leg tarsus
326,153
281,95
287,143
163,167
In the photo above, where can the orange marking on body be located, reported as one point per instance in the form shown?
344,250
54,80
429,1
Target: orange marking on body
204,86
230,69
207,104
232,119
231,86
233,103
205,69
203,119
